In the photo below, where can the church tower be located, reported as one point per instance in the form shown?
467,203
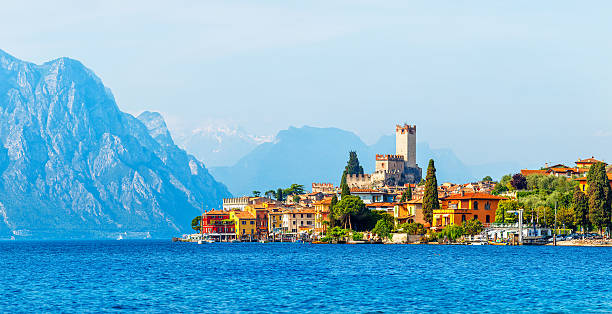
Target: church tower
405,143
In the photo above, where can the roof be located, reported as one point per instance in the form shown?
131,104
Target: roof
216,212
477,196
527,172
416,201
325,201
591,160
584,178
243,215
381,204
356,190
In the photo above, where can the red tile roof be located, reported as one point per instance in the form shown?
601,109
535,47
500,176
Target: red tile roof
527,172
356,190
478,196
591,160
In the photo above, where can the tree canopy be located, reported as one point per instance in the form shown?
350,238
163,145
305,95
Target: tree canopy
502,215
430,197
346,207
196,223
580,204
519,182
599,196
487,179
472,227
384,226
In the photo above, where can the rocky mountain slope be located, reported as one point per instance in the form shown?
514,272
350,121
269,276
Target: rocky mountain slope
72,165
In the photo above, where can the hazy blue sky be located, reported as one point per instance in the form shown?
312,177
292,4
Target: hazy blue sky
525,81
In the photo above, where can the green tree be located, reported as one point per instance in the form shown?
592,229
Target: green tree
430,197
256,193
472,227
296,199
353,166
294,189
502,215
452,232
413,228
580,204
487,179
346,207
279,195
407,195
270,194
566,217
337,233
384,226
195,223
599,196
332,220
357,236
519,182
345,191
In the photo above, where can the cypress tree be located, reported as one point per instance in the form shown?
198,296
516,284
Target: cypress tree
345,190
599,196
580,203
353,166
430,198
407,195
279,195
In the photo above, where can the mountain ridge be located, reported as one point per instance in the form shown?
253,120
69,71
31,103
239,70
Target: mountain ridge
71,159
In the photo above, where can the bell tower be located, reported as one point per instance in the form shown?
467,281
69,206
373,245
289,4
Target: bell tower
405,143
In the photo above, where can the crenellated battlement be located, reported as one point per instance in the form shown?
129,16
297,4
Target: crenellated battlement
406,128
389,157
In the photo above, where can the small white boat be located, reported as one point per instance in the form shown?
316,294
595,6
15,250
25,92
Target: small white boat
201,242
236,241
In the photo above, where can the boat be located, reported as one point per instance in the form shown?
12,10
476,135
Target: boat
319,242
263,241
201,242
235,241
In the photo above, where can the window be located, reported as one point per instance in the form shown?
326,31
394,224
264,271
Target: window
302,223
462,218
293,215
476,217
308,215
487,205
293,222
244,222
252,222
475,205
488,219
301,215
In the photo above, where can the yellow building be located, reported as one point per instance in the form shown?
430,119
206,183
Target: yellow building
275,219
584,186
245,224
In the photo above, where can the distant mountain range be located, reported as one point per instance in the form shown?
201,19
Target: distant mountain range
218,145
308,154
72,165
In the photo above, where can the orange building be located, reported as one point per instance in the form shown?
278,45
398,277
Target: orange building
459,208
322,212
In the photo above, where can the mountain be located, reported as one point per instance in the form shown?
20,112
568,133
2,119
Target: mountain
218,145
72,165
297,155
305,155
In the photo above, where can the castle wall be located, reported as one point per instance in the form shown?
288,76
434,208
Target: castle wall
360,181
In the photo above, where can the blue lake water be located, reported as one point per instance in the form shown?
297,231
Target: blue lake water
161,276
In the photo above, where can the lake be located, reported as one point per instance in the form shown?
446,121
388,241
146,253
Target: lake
161,276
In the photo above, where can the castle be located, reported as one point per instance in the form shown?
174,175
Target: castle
393,170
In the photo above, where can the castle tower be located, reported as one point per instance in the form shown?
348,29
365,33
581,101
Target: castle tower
405,143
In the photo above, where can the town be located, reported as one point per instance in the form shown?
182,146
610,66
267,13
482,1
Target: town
556,204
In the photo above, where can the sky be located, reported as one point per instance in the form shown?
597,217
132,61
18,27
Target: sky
509,81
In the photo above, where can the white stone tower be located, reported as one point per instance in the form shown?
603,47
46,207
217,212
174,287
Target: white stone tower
405,143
